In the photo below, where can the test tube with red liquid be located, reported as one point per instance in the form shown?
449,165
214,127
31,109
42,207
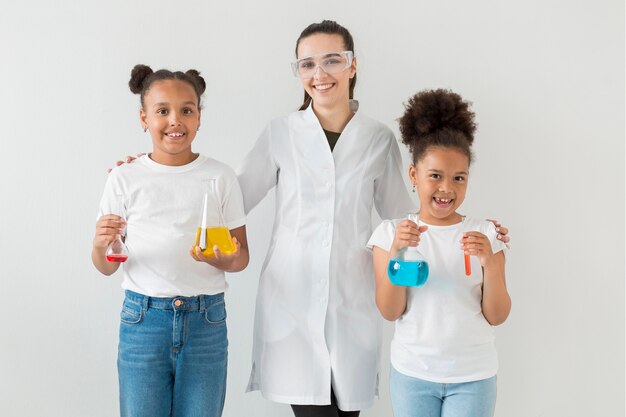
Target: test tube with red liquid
468,265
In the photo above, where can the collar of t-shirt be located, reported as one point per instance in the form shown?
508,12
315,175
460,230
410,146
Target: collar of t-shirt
332,138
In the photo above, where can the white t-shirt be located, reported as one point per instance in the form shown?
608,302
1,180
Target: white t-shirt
163,211
443,336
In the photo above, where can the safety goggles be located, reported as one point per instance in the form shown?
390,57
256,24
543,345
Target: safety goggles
329,62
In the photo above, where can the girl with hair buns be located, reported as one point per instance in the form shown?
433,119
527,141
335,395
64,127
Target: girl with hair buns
443,357
172,345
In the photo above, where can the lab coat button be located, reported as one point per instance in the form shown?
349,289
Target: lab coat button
325,243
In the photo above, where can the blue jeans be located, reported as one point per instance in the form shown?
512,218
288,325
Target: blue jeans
172,356
413,397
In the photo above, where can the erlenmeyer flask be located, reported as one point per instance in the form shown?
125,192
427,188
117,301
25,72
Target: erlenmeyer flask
213,230
408,267
117,250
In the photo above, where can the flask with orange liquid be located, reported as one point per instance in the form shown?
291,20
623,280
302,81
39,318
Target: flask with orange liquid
209,235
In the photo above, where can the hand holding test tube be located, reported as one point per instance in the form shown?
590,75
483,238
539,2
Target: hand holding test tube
468,261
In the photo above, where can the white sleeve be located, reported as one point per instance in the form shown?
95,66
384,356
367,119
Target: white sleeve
108,196
383,235
258,173
391,197
232,205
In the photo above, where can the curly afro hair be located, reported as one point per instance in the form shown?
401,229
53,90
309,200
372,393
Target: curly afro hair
142,77
437,118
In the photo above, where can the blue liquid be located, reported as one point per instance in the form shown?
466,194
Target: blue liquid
408,273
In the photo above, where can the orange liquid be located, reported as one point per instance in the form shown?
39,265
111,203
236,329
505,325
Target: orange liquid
219,236
468,266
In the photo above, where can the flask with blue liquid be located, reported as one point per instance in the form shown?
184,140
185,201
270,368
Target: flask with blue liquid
408,267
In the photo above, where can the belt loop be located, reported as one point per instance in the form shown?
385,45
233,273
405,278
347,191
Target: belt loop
202,302
145,302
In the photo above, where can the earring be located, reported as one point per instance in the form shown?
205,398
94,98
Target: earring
145,129
413,187
198,129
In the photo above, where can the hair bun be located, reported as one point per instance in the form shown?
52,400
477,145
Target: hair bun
195,75
432,111
137,77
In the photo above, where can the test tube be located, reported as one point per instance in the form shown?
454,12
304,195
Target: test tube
468,266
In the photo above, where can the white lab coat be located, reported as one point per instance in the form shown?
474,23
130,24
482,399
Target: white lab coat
316,319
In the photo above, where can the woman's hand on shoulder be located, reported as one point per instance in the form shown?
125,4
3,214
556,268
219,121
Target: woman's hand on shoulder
129,159
503,232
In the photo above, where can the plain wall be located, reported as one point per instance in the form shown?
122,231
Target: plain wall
547,82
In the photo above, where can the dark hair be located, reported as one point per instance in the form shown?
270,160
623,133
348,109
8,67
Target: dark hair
329,27
142,77
437,118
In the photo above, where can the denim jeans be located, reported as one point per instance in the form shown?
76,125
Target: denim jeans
413,397
172,356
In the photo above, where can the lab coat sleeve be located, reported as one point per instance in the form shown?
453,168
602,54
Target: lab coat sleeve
258,172
391,199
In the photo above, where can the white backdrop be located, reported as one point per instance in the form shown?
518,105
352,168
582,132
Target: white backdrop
547,81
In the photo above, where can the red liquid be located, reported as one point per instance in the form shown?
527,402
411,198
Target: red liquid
468,266
117,258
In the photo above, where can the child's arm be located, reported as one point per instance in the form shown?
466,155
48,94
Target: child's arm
107,227
496,303
234,262
390,298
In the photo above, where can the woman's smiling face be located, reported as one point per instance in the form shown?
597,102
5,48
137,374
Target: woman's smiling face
326,90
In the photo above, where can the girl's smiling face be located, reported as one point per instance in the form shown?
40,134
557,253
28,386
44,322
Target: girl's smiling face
172,116
326,90
440,178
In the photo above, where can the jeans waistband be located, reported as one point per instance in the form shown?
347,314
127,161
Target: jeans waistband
196,303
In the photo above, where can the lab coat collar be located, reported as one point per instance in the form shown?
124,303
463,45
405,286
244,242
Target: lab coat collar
354,107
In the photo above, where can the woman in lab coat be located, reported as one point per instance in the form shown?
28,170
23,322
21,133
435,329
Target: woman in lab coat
317,332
